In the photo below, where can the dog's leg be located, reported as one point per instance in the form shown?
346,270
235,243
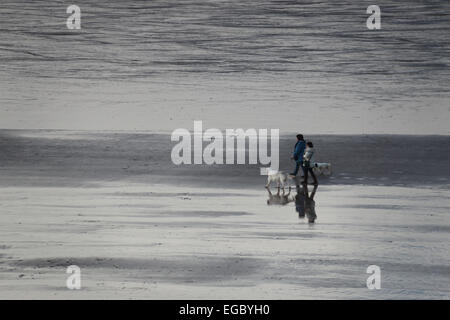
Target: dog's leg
289,192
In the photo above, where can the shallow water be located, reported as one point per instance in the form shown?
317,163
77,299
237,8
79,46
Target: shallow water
135,39
158,65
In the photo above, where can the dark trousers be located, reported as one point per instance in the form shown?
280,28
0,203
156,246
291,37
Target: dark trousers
305,174
297,166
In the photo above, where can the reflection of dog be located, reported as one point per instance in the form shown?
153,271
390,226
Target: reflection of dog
279,177
322,168
280,199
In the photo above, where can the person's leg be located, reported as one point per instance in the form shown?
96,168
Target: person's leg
305,174
313,175
297,166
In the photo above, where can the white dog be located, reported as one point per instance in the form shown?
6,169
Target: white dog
322,168
279,177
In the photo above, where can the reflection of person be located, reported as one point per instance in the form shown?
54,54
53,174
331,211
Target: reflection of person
308,163
281,199
299,149
310,204
300,202
305,204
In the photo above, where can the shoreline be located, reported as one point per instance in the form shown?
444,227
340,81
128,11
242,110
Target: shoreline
169,132
53,157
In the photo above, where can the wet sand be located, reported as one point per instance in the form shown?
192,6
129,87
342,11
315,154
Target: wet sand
139,236
84,158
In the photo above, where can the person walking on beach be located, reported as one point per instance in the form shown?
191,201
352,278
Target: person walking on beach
308,163
299,149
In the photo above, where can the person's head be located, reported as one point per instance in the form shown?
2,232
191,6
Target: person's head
300,137
310,144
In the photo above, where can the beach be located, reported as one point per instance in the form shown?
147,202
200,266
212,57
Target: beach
87,178
140,227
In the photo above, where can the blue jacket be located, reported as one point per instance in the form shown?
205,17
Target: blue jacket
299,150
